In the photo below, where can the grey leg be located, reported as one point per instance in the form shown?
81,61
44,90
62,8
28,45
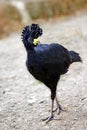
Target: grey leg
59,108
51,114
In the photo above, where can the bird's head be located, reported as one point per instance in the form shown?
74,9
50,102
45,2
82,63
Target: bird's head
31,33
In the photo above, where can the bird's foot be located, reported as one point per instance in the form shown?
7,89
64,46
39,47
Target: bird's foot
59,109
48,119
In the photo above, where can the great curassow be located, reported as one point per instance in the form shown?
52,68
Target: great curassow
47,62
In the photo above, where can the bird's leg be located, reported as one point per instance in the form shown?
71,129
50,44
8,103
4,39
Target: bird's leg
59,108
51,114
53,94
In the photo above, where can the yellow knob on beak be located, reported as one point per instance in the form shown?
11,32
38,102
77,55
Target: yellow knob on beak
35,42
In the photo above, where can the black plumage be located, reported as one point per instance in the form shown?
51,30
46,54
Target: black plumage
47,62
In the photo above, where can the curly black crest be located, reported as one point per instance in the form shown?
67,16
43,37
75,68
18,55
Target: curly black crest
30,33
33,31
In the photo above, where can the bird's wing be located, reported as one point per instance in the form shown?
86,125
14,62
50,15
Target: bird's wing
53,58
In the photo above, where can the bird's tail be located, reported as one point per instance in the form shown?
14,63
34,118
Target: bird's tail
75,57
30,33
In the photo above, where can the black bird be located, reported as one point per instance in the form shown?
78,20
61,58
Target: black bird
47,62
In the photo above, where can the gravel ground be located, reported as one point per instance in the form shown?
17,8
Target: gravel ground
25,101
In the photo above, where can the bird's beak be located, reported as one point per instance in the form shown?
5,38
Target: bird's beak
36,41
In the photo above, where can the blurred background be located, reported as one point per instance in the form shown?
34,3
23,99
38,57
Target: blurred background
14,14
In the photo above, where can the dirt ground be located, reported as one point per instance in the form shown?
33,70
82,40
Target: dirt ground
24,102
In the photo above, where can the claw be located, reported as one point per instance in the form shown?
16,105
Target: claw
48,119
59,110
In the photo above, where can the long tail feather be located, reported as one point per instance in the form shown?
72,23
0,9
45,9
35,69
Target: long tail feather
75,57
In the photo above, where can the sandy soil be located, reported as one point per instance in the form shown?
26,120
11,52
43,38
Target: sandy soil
25,101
